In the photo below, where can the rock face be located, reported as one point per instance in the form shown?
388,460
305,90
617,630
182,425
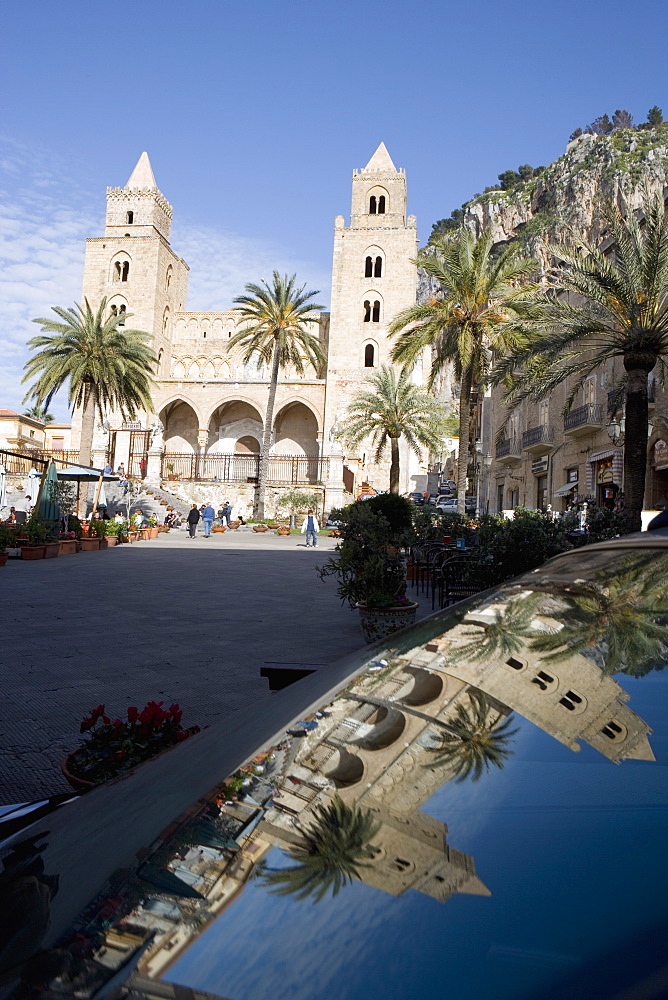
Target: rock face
595,170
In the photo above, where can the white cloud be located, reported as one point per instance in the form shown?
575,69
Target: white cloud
45,217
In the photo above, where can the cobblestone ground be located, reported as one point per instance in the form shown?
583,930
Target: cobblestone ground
173,619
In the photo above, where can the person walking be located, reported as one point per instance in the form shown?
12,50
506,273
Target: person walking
193,520
227,512
310,528
208,515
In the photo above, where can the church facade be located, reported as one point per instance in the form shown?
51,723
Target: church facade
208,404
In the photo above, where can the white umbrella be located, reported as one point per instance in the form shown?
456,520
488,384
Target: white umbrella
3,487
33,484
102,501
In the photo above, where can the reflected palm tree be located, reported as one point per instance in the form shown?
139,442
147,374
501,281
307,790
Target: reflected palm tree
626,613
503,636
335,846
473,741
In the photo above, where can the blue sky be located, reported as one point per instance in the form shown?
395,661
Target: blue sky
254,116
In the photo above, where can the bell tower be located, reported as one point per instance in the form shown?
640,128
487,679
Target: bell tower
373,278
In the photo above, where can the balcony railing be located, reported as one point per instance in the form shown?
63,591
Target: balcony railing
584,417
537,438
616,399
288,469
21,466
508,449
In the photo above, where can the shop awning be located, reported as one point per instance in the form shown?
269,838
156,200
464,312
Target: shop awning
565,490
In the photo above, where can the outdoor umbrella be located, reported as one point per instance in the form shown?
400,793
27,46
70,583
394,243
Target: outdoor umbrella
208,836
49,510
168,882
33,483
3,487
84,474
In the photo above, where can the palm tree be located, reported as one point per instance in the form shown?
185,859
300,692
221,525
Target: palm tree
335,846
105,367
277,319
624,315
625,612
391,408
484,306
502,637
472,742
39,413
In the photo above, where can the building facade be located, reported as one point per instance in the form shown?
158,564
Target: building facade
208,404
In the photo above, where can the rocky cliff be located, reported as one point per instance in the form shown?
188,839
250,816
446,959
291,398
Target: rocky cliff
595,169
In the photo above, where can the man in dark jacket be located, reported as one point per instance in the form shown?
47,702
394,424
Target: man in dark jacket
193,519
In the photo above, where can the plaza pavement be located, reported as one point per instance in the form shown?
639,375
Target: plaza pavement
171,619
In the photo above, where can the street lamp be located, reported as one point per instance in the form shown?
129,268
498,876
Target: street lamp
615,431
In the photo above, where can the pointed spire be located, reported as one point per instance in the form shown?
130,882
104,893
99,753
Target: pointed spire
381,160
142,175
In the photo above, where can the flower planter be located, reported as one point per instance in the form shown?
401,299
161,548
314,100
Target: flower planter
234,524
219,529
132,536
68,546
52,550
78,784
335,533
85,530
260,527
153,532
4,556
110,540
376,623
282,531
90,544
33,551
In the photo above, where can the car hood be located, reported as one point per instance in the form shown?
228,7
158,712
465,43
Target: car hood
476,807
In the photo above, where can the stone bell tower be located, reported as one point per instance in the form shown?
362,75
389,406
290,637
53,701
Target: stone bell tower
133,266
373,278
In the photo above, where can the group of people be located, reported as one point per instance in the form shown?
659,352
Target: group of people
207,515
20,513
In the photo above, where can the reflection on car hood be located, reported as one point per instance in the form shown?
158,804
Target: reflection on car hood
476,809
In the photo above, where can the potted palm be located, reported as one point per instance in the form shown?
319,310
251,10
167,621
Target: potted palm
369,563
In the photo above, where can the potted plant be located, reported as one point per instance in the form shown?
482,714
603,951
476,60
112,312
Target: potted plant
37,532
369,564
260,527
68,543
96,534
111,748
283,529
298,502
152,526
113,529
234,524
6,539
170,471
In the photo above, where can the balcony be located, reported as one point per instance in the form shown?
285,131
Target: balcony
537,439
509,451
616,401
584,420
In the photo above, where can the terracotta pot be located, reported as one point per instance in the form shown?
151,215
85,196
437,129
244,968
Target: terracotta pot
33,551
153,532
78,784
377,623
90,544
68,546
282,531
259,527
219,529
335,533
4,556
234,524
52,550
132,536
111,540
85,530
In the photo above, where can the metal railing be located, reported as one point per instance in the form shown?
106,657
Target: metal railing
229,468
537,435
583,416
509,448
21,464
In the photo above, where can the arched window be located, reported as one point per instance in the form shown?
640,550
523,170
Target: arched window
125,270
130,218
117,271
367,311
160,353
114,310
377,268
165,321
376,312
381,205
168,277
369,356
121,313
373,205
368,268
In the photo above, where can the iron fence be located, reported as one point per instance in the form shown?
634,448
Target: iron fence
230,468
589,415
21,464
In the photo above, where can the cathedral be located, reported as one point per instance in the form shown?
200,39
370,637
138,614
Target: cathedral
208,405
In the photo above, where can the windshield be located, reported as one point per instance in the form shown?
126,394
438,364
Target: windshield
476,809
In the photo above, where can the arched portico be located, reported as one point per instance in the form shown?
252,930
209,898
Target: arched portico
181,425
296,430
233,421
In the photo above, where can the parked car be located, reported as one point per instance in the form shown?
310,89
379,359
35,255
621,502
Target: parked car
446,504
424,793
417,498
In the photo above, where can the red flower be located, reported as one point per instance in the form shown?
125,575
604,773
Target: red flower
106,720
118,723
119,755
196,729
86,724
133,714
181,736
97,712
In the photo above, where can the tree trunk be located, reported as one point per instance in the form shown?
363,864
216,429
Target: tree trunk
394,465
464,429
635,440
87,423
266,437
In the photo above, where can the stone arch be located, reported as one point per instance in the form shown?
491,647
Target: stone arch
344,768
115,302
193,371
207,369
180,329
231,421
423,687
247,445
165,322
373,262
181,422
119,267
380,730
369,357
296,428
222,367
378,200
217,329
372,307
168,276
179,370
